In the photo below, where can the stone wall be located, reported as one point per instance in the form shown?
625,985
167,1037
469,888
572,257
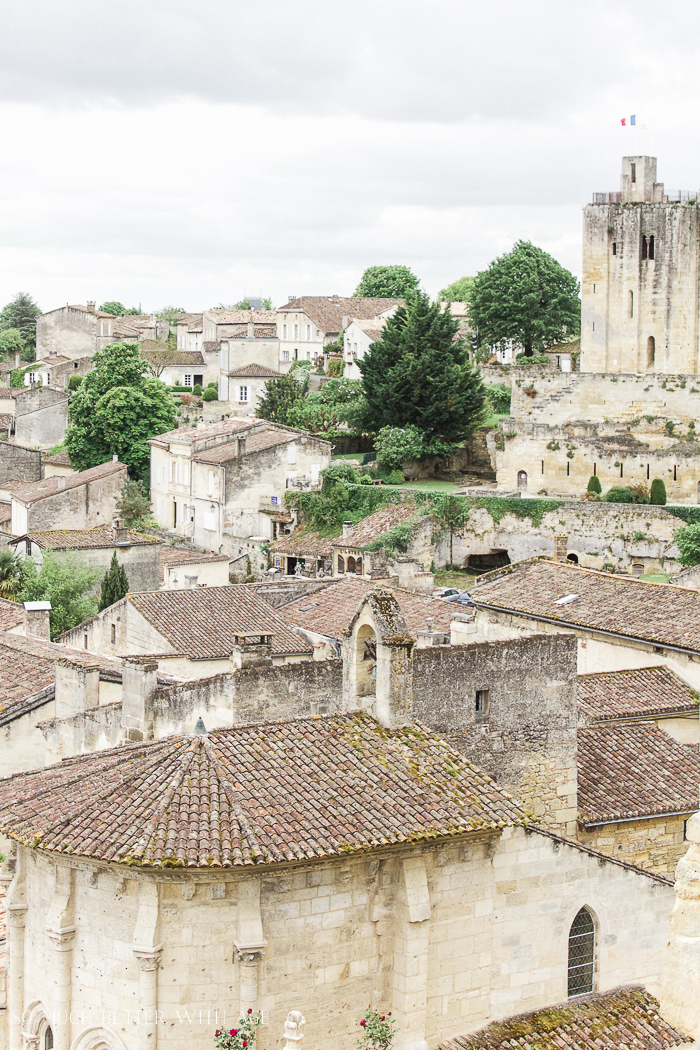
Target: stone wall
141,563
656,844
41,417
69,332
18,463
82,507
447,936
525,738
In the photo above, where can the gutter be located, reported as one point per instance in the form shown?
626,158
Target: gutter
15,711
633,820
582,627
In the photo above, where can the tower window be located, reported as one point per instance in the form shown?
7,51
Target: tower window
614,247
622,467
567,468
542,461
631,304
647,471
48,1039
675,473
651,351
581,954
633,172
644,247
595,470
481,705
594,289
651,246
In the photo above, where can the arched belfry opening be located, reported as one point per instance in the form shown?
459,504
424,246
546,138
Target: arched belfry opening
378,660
581,968
651,351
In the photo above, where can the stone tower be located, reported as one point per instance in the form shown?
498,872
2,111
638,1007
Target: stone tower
641,253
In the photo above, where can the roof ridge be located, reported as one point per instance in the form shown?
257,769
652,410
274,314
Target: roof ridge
248,848
153,824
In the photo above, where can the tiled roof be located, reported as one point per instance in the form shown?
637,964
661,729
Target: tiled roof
28,665
626,1019
84,309
193,358
328,311
193,321
202,623
59,459
301,542
642,691
210,346
370,327
270,792
7,391
633,769
170,556
254,371
5,420
222,428
31,492
653,612
258,441
57,359
330,610
11,614
242,316
83,539
376,525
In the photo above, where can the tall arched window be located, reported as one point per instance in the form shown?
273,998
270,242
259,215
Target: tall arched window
48,1038
651,351
581,953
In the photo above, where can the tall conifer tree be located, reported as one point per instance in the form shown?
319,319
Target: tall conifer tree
115,584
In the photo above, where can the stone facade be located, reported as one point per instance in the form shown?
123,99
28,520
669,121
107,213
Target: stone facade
56,371
640,310
656,844
138,556
81,501
680,998
41,417
73,331
18,463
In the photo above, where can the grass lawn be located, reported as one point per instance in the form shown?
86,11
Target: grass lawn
463,580
430,486
656,577
494,420
348,455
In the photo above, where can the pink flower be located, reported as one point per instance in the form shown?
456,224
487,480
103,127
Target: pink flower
383,1018
233,1031
217,1032
245,1042
363,1022
250,1011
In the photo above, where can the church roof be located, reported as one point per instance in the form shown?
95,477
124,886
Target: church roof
262,793
639,692
626,1018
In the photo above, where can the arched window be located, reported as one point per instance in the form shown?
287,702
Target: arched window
522,479
651,246
581,953
572,557
644,246
48,1038
358,565
341,564
651,351
351,564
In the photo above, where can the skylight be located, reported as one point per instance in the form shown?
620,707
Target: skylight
567,599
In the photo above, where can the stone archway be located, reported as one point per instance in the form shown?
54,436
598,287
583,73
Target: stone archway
99,1038
522,479
651,351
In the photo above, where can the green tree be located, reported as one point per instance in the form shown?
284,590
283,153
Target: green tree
594,485
396,444
116,410
658,493
66,583
457,292
498,395
525,296
118,309
387,282
11,342
282,395
419,373
688,542
10,574
133,505
21,314
115,584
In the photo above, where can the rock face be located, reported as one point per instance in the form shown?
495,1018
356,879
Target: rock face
680,998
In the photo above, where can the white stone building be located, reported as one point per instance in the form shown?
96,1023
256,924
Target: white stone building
225,480
242,388
306,325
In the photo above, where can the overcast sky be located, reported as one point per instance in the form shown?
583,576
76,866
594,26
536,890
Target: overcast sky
165,151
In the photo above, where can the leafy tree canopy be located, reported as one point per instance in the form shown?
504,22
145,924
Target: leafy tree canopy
116,410
115,584
387,282
11,341
21,314
10,574
458,291
66,583
396,444
338,401
688,542
133,506
525,296
282,395
419,373
118,309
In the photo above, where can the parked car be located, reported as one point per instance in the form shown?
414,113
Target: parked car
465,598
444,592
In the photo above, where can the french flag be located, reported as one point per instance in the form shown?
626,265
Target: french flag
625,121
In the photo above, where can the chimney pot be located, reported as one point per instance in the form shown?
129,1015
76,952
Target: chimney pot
115,457
347,525
60,482
36,620
139,682
91,306
241,446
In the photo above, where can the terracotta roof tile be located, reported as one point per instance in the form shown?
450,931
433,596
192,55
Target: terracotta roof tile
170,556
330,610
633,769
220,429
203,623
11,614
83,539
328,311
33,491
642,691
191,358
374,526
255,371
59,459
270,792
258,441
242,316
654,612
303,542
626,1019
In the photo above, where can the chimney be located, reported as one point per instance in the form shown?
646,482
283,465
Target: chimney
139,682
250,649
91,306
115,457
120,533
241,446
60,482
191,578
52,353
36,620
561,542
251,330
347,525
77,688
17,360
